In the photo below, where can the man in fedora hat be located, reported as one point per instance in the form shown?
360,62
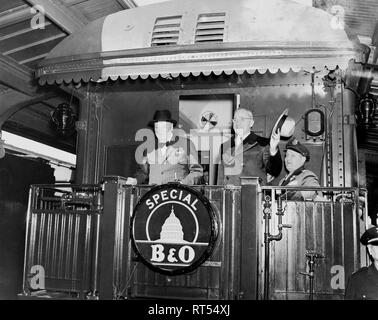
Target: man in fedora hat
247,154
170,159
363,284
295,158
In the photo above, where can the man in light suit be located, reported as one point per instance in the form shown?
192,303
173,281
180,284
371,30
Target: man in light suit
171,160
247,154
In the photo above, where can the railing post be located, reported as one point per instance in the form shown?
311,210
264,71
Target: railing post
250,237
107,258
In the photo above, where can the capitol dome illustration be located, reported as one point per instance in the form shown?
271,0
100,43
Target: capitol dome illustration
171,230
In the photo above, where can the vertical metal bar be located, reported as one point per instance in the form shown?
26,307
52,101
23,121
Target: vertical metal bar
75,251
40,238
341,144
96,253
31,201
266,252
117,235
209,278
55,244
223,272
288,241
303,236
342,232
312,290
48,241
33,237
332,232
87,255
232,253
61,245
323,232
119,238
124,216
129,249
355,226
68,248
327,161
314,226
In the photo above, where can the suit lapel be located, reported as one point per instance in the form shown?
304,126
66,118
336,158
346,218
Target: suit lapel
246,146
240,150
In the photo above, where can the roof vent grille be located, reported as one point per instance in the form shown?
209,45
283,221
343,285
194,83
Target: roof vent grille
210,27
166,31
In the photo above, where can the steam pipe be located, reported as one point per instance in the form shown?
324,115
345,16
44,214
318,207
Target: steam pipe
269,237
311,257
267,217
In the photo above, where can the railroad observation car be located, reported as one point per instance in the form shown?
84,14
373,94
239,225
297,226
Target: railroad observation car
202,60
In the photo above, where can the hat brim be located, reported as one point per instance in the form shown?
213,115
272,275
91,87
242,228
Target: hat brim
280,123
152,122
280,120
293,149
373,242
369,237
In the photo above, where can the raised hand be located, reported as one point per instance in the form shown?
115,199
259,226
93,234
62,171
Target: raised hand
274,141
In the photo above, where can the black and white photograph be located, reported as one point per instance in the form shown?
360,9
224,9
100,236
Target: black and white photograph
184,156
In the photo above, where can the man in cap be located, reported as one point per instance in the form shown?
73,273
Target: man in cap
247,154
295,158
169,158
363,284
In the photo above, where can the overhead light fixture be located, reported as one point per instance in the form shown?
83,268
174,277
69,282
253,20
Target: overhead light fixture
63,119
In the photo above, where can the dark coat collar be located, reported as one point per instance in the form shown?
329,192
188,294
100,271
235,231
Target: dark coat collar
297,171
288,178
372,270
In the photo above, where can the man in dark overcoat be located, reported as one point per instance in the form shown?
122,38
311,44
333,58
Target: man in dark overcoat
248,154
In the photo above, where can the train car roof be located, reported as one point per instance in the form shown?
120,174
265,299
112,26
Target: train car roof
193,37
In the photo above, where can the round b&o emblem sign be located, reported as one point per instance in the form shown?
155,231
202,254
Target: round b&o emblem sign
173,229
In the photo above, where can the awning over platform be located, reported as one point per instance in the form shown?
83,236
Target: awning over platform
211,37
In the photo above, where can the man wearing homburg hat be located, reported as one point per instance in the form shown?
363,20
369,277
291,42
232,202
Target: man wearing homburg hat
171,159
248,154
363,284
295,158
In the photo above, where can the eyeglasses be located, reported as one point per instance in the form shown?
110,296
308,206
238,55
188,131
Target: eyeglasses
241,119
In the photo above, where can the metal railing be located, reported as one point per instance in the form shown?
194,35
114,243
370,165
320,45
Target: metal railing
310,238
62,239
66,231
